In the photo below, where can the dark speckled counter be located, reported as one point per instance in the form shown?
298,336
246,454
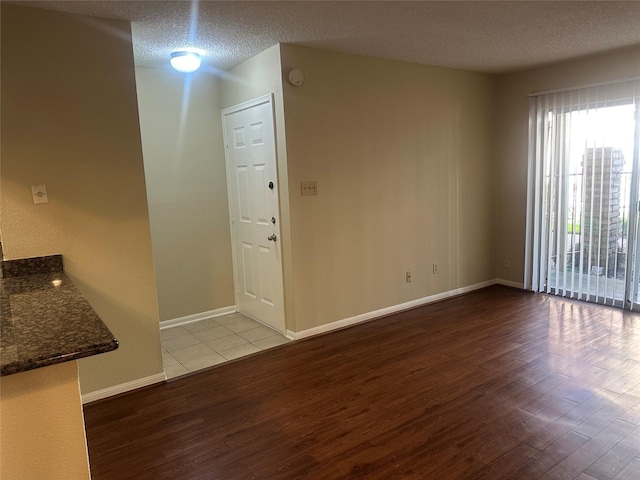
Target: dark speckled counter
44,320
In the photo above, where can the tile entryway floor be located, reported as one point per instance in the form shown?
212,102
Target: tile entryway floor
194,346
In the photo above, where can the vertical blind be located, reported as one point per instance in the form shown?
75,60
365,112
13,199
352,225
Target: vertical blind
582,214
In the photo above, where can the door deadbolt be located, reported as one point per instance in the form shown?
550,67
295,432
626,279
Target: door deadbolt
272,237
271,185
273,220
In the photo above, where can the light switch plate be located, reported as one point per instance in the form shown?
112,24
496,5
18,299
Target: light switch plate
309,188
39,193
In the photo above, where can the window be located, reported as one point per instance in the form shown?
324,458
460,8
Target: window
582,224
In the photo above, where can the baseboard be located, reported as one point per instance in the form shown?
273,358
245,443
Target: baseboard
123,388
509,283
364,317
196,317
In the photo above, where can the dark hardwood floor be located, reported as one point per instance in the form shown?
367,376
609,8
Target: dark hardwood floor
496,384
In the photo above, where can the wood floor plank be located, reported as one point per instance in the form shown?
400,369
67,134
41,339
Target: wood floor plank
498,384
611,463
630,472
503,466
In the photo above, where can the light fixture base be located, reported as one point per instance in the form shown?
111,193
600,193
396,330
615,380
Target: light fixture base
185,61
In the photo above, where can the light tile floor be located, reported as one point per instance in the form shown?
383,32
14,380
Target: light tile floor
202,344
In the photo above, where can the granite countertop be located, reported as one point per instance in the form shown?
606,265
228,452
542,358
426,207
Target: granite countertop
44,320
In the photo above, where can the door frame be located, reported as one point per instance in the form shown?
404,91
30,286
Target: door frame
633,258
268,98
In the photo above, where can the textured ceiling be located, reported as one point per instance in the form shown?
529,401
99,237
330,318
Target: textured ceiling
495,37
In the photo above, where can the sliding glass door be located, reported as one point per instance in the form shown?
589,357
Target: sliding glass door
633,279
583,194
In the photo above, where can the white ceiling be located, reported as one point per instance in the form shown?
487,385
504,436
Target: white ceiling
494,37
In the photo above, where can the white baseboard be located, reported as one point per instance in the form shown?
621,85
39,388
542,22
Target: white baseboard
364,317
509,283
123,388
196,317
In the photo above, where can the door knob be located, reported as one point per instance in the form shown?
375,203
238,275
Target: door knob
272,237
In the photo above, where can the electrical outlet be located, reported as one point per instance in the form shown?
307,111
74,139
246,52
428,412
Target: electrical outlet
435,268
407,276
506,263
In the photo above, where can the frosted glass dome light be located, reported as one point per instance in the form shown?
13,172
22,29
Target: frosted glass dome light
185,62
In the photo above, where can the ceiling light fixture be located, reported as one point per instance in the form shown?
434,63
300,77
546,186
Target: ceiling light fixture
185,61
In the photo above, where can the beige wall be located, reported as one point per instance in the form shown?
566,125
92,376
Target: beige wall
402,154
261,75
186,189
403,157
41,425
70,121
512,139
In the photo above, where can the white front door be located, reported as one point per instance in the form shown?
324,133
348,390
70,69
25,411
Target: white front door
250,150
